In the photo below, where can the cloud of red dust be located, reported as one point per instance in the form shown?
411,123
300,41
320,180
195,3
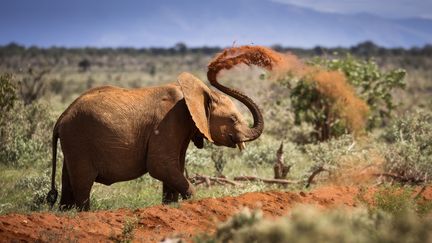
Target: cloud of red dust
331,84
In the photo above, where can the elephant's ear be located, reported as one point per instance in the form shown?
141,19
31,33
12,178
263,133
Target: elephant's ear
197,97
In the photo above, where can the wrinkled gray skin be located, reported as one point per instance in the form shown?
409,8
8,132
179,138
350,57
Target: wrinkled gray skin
111,134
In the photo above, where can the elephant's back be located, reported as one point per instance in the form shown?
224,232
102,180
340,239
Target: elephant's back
115,108
112,125
105,109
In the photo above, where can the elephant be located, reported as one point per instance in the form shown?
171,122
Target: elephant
111,134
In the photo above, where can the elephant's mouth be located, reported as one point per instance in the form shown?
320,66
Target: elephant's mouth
240,145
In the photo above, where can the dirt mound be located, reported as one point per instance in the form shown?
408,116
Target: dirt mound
154,223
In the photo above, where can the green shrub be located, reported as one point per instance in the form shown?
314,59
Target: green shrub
400,200
128,233
226,231
308,224
199,159
394,200
328,156
372,84
8,94
259,154
37,188
410,154
25,130
340,158
325,99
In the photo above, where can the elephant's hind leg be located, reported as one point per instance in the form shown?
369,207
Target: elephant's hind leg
67,200
82,179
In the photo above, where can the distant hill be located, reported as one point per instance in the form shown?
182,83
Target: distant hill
212,23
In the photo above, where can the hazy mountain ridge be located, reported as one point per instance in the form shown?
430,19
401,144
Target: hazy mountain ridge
214,23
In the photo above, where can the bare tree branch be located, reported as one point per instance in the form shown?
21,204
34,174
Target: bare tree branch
314,173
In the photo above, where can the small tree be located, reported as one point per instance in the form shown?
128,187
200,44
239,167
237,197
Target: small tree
336,95
84,65
32,86
372,84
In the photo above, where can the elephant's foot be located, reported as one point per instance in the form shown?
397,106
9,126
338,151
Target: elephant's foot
169,195
189,193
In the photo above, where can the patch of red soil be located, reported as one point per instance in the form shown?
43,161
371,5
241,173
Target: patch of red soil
152,224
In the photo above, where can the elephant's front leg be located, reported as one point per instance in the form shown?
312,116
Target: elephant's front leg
169,195
174,181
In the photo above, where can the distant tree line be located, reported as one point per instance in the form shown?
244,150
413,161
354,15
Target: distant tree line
365,49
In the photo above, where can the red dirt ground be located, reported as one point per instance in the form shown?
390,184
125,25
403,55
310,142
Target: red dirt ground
153,224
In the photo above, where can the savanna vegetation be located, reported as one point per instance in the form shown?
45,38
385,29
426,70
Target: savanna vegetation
379,114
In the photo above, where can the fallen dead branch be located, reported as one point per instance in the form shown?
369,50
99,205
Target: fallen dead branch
270,181
210,180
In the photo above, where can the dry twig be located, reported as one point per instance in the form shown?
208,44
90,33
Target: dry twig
209,180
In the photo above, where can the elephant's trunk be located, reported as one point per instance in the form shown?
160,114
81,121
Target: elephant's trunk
249,55
255,131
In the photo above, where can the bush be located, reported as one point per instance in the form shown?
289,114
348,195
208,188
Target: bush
37,186
197,157
328,156
400,200
308,224
373,85
25,130
226,231
257,154
8,94
410,154
337,96
32,86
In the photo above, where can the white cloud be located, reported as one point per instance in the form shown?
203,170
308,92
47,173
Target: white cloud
384,8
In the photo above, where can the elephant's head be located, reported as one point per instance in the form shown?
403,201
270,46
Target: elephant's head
216,116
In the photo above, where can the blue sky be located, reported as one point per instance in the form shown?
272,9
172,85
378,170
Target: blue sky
384,8
142,23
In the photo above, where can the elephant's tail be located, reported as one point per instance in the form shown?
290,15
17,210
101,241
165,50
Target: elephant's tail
52,194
